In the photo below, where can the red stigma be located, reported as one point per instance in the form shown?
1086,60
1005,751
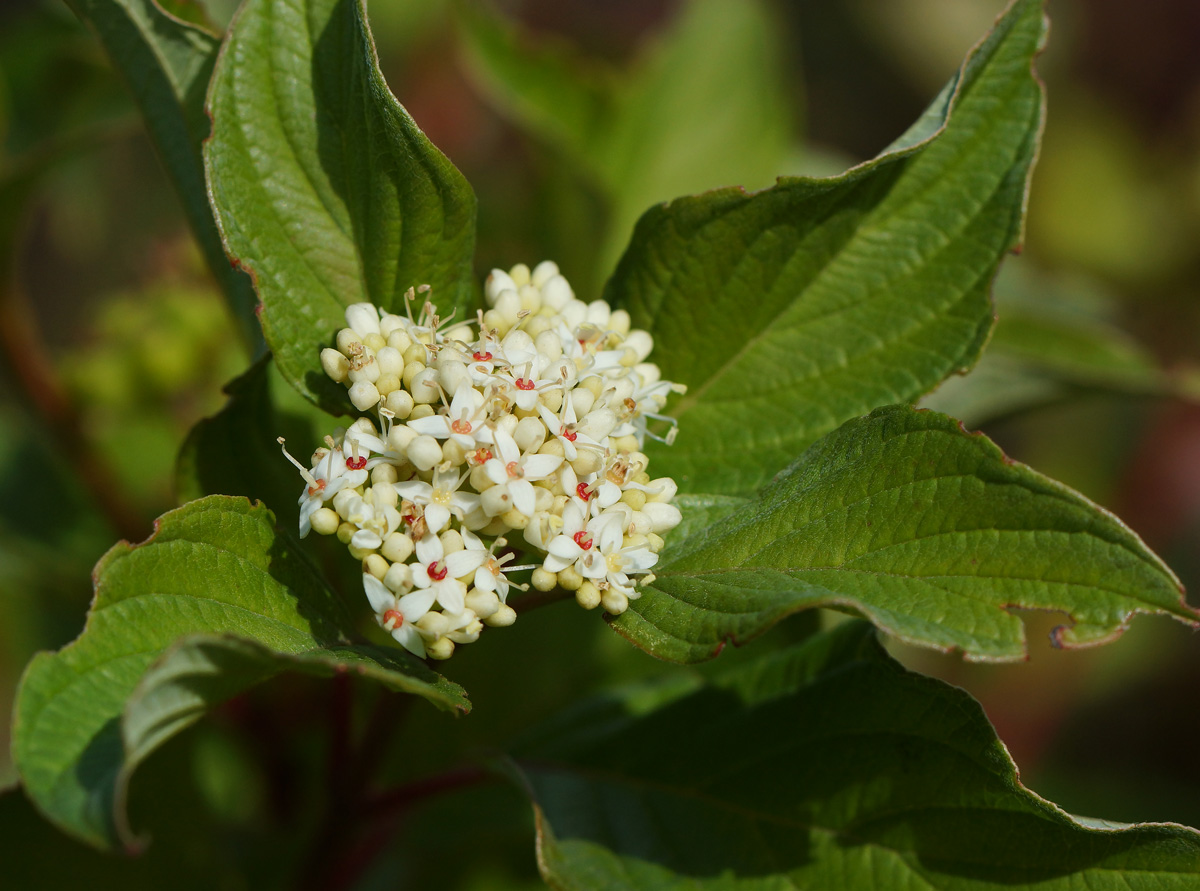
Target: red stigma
583,539
480,456
481,357
582,491
524,383
437,574
319,487
394,617
356,463
569,435
462,425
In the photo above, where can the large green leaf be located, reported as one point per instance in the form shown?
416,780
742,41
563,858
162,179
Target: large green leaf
791,310
930,532
246,605
167,63
824,766
325,189
705,108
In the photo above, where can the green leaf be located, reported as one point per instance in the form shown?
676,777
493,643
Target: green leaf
213,602
325,189
167,63
789,311
704,108
930,532
823,766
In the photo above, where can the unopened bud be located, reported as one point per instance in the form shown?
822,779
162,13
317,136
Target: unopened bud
335,364
503,617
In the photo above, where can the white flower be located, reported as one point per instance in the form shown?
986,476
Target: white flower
575,545
331,472
441,573
440,499
490,576
513,473
565,428
524,383
465,626
465,421
398,615
375,523
617,562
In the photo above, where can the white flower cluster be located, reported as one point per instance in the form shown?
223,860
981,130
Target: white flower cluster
529,421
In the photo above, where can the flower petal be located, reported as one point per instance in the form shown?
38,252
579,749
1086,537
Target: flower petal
380,597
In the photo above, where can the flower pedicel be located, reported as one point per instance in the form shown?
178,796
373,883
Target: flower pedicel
523,429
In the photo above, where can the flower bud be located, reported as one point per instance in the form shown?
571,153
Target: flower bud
530,434
483,603
543,272
640,342
519,274
376,565
390,361
619,321
424,387
398,577
569,579
401,342
497,282
549,344
495,501
335,365
503,617
614,602
588,596
363,318
514,519
452,541
556,293
397,547
325,521
399,403
424,452
661,516
345,339
364,395
543,580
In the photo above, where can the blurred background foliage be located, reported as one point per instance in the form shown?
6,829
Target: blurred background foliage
569,118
